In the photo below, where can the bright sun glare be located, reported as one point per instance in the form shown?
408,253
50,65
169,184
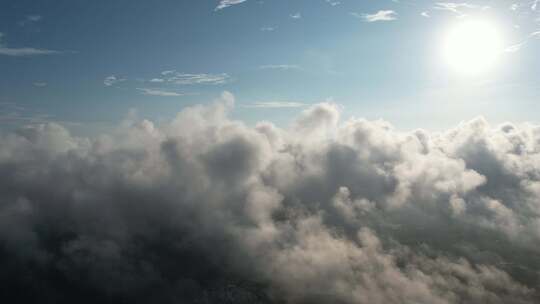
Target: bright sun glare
472,47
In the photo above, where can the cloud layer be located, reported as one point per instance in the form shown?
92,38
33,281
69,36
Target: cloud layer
205,209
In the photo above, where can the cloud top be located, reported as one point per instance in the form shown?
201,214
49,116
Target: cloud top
206,209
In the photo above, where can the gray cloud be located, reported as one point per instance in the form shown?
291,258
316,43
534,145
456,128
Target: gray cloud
205,209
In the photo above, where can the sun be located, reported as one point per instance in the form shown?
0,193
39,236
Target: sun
472,47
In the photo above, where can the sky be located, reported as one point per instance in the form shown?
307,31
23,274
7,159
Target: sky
90,63
269,152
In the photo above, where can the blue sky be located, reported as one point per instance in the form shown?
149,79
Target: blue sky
87,63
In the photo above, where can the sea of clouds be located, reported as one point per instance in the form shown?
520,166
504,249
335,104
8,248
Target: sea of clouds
206,209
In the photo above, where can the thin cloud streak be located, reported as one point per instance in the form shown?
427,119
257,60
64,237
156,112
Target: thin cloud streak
455,7
227,3
275,104
160,92
112,80
175,77
25,51
30,19
285,67
383,15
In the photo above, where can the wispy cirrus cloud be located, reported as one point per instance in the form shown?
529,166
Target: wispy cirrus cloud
275,104
517,47
14,114
333,2
226,3
160,92
280,67
455,7
30,19
174,77
24,51
111,80
167,80
296,16
382,15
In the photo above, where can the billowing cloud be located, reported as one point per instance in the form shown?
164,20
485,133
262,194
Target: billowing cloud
206,209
